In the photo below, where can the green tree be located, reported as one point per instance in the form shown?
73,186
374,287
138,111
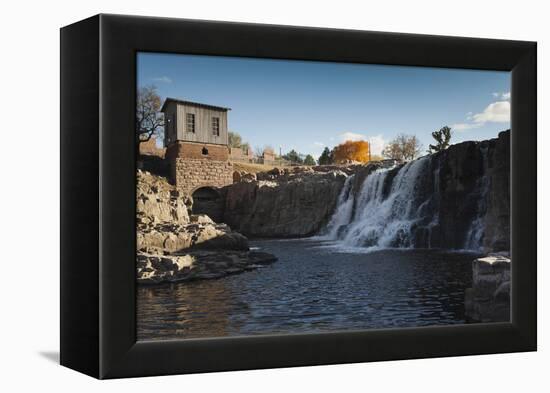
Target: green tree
294,157
326,157
235,139
443,138
309,160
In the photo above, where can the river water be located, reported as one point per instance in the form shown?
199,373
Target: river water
313,287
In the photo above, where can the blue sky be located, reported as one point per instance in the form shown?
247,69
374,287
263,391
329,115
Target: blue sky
306,106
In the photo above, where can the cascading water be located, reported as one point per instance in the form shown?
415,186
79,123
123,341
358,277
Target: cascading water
399,208
384,219
474,237
343,213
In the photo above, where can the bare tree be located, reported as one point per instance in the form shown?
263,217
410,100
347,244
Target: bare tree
259,151
403,147
411,148
149,120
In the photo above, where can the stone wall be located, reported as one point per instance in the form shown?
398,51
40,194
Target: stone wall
238,154
188,174
190,169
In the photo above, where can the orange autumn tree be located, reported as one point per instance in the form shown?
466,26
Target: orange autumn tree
351,150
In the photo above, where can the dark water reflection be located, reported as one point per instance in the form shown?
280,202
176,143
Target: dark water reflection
312,288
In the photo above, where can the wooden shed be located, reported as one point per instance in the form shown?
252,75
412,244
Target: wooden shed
189,121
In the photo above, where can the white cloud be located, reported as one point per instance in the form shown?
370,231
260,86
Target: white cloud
351,136
502,96
497,112
319,144
163,79
464,126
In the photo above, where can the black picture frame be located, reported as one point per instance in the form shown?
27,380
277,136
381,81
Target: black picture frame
98,166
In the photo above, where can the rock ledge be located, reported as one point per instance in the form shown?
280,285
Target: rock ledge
197,265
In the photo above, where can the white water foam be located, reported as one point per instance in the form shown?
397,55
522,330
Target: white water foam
476,233
390,213
343,213
385,220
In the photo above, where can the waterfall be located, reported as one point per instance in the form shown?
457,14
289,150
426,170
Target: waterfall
400,208
385,219
343,213
476,232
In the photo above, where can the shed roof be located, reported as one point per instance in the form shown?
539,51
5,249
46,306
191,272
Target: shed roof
191,103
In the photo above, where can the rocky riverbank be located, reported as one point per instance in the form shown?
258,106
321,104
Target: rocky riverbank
294,202
489,298
472,181
174,245
197,265
458,198
455,199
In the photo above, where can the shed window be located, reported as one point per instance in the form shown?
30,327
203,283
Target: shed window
191,122
216,126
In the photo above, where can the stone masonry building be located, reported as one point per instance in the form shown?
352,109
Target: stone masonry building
196,141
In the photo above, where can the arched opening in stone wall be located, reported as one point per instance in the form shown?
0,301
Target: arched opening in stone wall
209,201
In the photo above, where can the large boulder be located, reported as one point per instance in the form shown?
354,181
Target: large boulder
197,265
242,176
283,203
165,224
174,246
174,238
158,202
489,298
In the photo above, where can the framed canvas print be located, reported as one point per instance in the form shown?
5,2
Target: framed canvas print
239,196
